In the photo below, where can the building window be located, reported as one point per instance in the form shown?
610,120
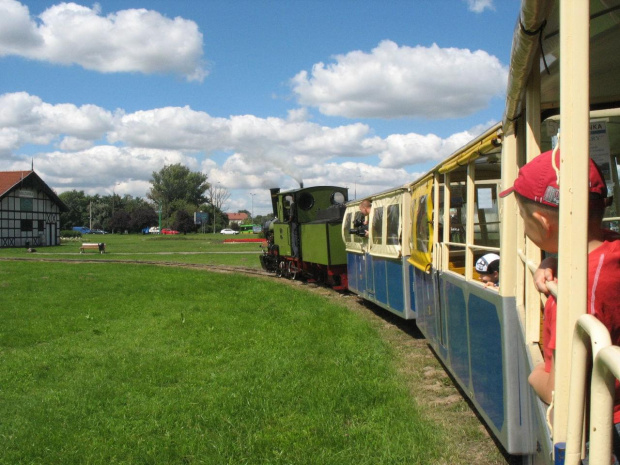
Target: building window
41,225
26,225
25,204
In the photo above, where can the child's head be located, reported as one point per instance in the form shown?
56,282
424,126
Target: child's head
538,196
487,267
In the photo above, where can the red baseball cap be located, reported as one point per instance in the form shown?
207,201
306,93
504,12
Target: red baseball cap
538,180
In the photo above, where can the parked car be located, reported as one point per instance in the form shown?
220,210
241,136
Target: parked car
98,231
82,229
228,231
153,230
169,231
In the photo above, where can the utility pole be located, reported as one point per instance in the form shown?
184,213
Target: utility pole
252,207
160,217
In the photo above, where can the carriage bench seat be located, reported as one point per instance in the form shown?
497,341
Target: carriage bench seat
93,246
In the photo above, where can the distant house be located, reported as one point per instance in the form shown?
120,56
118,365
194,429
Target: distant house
236,218
29,211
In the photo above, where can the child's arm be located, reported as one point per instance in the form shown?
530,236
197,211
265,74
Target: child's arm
547,271
542,382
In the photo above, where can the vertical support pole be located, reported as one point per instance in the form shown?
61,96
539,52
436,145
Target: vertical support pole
574,146
471,219
447,200
508,213
532,297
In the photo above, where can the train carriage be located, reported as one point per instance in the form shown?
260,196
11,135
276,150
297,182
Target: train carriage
377,267
563,88
425,237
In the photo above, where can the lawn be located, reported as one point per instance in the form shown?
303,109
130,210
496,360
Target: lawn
190,248
110,363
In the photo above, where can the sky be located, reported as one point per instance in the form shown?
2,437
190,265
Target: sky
367,94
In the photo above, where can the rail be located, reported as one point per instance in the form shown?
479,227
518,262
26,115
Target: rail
604,374
589,339
551,285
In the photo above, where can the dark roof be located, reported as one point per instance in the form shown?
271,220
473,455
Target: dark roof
12,180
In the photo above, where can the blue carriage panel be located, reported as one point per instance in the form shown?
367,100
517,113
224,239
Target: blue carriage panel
380,280
427,311
369,275
411,286
485,334
355,272
395,285
458,347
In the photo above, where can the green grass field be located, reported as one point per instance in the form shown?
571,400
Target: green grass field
190,248
107,362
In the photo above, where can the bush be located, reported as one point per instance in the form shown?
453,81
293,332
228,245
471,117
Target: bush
68,234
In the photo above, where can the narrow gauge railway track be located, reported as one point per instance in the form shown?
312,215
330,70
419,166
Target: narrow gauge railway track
429,384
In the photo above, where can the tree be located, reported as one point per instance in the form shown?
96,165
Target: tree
77,202
142,217
120,221
177,182
183,222
218,196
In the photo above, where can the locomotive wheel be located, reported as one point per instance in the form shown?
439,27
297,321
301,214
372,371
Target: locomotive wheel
280,270
292,271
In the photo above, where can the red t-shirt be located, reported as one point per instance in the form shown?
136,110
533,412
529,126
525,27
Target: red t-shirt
603,300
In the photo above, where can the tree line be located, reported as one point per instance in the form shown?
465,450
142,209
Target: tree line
175,194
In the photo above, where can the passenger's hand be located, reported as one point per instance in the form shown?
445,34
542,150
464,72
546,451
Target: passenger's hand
546,271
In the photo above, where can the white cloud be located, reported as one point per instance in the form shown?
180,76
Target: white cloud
18,33
74,144
134,40
26,119
478,6
392,81
105,165
259,153
411,149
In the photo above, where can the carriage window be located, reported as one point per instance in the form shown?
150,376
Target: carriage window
393,216
486,225
348,225
377,225
458,220
421,225
458,212
358,220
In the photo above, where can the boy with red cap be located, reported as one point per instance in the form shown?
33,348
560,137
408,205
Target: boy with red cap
538,197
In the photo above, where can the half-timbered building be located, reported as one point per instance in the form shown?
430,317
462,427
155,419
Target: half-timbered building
29,211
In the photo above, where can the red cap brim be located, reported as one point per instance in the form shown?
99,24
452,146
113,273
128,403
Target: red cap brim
508,191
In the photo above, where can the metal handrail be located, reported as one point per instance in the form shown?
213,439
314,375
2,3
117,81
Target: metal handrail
590,336
604,374
551,285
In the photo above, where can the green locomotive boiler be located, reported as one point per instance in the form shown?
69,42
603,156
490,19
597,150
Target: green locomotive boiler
305,237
